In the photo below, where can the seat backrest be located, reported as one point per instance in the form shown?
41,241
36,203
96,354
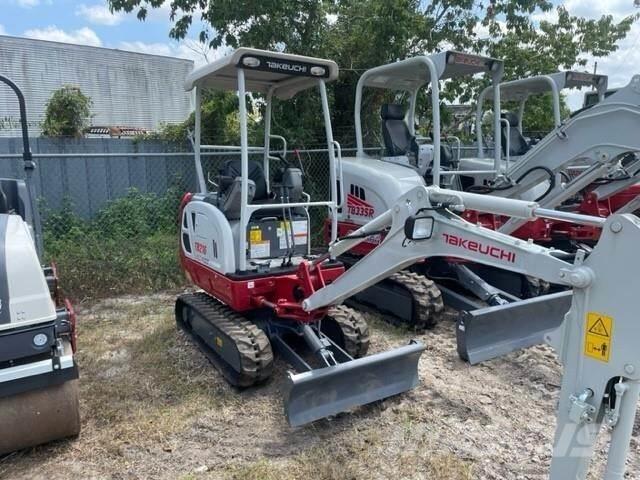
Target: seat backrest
233,168
518,145
395,132
14,198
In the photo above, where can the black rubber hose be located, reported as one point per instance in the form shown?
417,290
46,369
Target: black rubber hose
483,189
552,180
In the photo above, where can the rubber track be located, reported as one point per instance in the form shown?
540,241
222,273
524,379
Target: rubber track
428,305
252,344
354,328
427,298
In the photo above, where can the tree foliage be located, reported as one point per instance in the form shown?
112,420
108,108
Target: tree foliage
220,122
532,36
68,113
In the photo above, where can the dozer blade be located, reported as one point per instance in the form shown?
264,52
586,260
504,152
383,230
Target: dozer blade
492,332
327,391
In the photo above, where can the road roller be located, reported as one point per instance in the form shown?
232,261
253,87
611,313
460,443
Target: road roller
38,371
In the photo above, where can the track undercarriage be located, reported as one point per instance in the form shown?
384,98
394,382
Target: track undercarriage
404,298
333,374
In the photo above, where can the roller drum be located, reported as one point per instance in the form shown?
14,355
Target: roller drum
39,416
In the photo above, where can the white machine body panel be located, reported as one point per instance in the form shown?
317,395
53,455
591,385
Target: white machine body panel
380,182
25,297
207,237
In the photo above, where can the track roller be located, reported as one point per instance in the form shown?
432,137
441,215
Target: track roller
39,416
235,346
348,329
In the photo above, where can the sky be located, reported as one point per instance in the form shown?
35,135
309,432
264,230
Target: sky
90,22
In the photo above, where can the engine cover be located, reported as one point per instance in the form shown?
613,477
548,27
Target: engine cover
24,294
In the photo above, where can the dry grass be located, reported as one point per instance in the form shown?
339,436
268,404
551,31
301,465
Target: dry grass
153,408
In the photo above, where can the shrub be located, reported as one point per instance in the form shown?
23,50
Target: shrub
131,246
68,113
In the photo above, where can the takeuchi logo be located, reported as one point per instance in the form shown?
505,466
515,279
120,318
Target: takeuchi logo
292,67
359,207
482,248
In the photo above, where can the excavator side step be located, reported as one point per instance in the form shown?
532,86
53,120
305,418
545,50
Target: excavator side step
235,346
323,392
492,332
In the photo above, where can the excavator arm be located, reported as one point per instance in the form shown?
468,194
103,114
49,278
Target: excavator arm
596,342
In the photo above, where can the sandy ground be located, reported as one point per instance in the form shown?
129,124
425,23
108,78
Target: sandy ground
153,407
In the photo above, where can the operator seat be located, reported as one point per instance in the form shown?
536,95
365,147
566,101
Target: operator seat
518,145
230,188
395,132
4,203
233,170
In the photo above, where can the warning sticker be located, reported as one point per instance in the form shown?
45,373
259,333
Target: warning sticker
598,333
296,233
260,250
300,231
255,235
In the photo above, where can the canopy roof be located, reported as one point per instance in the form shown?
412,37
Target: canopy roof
286,73
413,73
516,90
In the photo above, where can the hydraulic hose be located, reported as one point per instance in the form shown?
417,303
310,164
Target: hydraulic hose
484,189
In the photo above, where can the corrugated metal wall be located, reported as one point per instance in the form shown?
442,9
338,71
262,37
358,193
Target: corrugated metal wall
130,89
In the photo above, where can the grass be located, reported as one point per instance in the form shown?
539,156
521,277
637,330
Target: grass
147,384
153,407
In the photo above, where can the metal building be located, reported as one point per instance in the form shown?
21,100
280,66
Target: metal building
127,89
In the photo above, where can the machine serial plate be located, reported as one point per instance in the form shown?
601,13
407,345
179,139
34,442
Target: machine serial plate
598,333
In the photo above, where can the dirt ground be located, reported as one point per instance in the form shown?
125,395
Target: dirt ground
153,407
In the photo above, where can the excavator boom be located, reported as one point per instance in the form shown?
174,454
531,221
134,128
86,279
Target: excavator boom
596,342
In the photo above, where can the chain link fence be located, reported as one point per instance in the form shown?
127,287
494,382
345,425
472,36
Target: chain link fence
109,207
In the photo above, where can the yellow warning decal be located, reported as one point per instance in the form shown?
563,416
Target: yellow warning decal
255,235
598,333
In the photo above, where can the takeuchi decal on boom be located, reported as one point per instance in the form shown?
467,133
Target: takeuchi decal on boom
359,207
482,248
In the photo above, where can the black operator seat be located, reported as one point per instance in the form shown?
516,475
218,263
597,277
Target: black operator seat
230,187
518,145
231,169
395,132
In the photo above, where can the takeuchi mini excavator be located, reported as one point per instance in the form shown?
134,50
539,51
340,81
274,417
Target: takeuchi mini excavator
597,342
594,151
38,372
370,185
587,164
245,243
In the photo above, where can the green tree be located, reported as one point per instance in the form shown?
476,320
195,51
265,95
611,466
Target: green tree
220,122
68,113
360,34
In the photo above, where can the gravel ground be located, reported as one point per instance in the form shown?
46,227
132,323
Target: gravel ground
153,407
